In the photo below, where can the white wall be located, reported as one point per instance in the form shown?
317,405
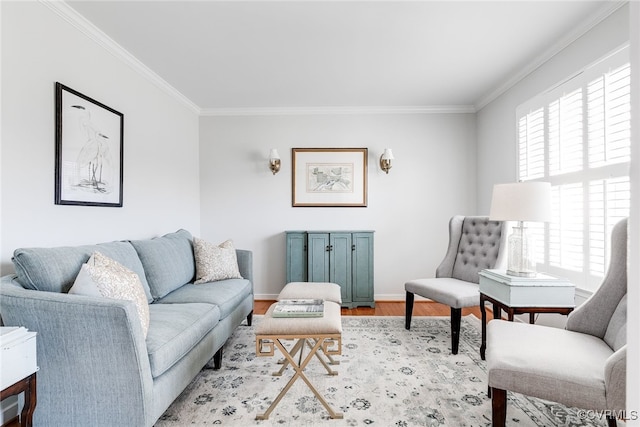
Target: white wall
433,178
161,177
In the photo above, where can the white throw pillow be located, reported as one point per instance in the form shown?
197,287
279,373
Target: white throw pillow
213,262
102,276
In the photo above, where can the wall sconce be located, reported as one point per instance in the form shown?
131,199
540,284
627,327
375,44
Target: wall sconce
385,160
274,161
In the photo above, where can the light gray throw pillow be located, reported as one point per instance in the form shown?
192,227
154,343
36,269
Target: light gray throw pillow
215,262
103,277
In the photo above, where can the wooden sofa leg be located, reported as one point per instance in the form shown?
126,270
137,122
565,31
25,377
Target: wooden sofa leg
408,310
250,318
217,359
611,421
498,407
456,317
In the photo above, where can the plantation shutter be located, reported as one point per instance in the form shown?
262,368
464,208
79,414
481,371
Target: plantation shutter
577,136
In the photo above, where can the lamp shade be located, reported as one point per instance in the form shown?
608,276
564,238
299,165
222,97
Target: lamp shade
521,201
388,154
273,154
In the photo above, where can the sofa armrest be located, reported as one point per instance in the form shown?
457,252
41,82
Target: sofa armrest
615,380
245,264
91,353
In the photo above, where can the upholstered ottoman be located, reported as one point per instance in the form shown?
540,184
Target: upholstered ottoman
323,334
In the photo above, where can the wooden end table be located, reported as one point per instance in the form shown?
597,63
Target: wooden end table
521,295
28,386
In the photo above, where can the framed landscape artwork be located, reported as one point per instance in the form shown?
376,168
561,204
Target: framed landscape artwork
89,151
329,177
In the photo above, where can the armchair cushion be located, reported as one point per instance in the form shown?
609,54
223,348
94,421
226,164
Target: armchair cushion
452,292
519,360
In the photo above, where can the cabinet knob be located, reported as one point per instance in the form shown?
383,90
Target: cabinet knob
329,248
353,247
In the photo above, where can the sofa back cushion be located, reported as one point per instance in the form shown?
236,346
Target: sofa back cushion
478,248
55,269
616,335
168,261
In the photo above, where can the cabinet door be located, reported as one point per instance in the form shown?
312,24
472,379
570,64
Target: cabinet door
296,257
318,257
340,264
363,268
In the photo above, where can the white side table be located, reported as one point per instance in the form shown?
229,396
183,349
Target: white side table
518,295
19,367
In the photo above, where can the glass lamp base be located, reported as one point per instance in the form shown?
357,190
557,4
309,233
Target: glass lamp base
520,260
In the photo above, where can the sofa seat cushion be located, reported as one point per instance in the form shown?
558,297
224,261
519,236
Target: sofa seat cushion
55,269
452,292
168,261
174,329
226,294
550,363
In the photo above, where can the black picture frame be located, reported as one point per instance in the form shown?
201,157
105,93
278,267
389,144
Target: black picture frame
89,169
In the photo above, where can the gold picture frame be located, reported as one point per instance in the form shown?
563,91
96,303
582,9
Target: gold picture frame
329,177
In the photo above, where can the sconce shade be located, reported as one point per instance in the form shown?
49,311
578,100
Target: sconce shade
521,201
274,161
385,160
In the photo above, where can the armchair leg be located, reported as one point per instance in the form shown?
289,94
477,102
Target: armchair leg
408,310
456,316
498,407
611,421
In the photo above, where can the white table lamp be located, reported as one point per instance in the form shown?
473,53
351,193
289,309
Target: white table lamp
521,201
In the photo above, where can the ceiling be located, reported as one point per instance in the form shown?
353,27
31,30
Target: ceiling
237,55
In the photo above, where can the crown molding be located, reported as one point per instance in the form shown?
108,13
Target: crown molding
556,48
302,111
78,21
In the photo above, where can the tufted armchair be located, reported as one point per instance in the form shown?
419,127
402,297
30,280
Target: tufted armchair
475,243
583,365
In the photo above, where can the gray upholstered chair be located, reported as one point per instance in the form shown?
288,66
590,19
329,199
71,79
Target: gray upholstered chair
475,243
583,365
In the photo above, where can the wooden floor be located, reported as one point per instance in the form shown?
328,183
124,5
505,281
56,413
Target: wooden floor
389,308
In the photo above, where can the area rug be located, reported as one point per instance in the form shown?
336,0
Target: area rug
387,376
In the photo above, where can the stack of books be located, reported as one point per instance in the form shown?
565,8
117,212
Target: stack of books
299,308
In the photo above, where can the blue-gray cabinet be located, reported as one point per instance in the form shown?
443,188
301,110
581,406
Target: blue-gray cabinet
342,257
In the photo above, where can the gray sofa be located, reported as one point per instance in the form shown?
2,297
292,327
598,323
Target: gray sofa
96,367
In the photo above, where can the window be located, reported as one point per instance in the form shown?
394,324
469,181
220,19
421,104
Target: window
577,136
